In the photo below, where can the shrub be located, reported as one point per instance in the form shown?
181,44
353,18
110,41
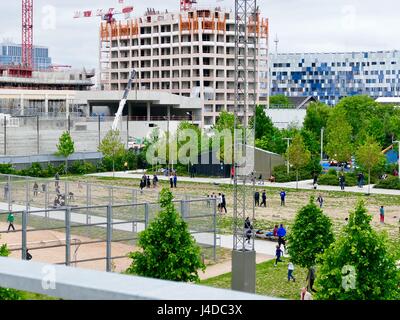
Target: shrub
82,167
7,169
280,174
390,183
333,180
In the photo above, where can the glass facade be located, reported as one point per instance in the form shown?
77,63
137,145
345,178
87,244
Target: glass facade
12,54
331,76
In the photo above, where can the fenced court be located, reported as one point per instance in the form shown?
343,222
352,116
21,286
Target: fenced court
94,226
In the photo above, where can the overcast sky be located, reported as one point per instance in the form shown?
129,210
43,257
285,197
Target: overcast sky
301,25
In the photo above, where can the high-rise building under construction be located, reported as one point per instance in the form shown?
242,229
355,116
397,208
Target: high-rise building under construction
190,53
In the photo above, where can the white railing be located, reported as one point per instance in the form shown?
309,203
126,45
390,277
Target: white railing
82,284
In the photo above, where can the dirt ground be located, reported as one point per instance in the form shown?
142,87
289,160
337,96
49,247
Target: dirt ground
41,239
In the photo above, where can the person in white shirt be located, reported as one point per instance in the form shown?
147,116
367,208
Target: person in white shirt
290,272
305,295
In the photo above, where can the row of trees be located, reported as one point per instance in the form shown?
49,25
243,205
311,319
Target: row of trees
356,266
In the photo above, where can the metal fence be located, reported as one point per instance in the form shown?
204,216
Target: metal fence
98,217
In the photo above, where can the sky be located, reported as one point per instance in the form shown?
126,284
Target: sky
300,25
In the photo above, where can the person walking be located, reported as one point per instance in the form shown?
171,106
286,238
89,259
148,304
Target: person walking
10,220
248,229
320,200
290,272
57,178
126,166
257,199
264,199
35,189
315,180
155,181
278,254
223,203
148,182
219,202
281,236
283,197
382,215
175,179
6,190
311,278
342,181
171,180
360,180
232,173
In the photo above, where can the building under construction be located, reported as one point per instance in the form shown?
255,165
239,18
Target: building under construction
190,53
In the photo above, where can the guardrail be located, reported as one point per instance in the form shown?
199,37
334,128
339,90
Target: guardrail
81,284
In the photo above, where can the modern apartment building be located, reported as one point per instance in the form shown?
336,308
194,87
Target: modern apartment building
189,53
11,54
331,76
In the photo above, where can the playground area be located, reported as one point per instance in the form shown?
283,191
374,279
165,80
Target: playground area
95,225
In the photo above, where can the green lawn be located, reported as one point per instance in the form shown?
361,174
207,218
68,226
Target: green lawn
271,281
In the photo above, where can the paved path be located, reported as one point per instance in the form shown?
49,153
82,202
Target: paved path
303,185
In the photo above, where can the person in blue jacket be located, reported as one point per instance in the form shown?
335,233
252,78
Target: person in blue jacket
281,236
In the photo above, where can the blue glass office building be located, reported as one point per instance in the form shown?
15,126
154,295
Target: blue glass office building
12,54
331,76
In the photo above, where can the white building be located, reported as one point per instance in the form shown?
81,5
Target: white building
190,54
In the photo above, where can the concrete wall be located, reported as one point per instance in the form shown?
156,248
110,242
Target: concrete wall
282,118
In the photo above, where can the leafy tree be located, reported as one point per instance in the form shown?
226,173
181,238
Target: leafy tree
169,251
339,146
298,155
316,118
310,235
111,146
279,100
65,147
226,121
8,294
358,265
369,155
264,126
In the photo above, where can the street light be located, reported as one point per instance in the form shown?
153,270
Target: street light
398,160
287,161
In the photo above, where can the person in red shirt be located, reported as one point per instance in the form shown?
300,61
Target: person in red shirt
275,232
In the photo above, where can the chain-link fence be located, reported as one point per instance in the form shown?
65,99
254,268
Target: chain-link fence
87,225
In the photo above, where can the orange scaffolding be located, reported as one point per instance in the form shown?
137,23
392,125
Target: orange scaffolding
129,28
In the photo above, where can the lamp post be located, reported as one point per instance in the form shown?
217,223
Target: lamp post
287,161
398,160
322,143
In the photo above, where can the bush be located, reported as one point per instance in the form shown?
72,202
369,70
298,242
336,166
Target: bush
280,174
82,167
390,183
7,169
333,180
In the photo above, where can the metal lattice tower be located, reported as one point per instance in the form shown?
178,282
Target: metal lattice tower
246,47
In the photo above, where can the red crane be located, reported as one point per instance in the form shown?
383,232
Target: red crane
186,5
27,34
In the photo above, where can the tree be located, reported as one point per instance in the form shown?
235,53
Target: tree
264,126
8,294
279,100
111,146
65,147
339,136
298,155
369,155
169,251
311,234
358,265
316,118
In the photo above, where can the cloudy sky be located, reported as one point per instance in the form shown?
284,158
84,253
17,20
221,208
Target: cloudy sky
301,25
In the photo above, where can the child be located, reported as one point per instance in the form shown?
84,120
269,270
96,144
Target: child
278,255
10,220
290,272
382,215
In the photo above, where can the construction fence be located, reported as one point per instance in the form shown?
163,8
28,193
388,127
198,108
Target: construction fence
96,224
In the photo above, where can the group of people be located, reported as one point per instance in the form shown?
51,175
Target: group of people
145,182
263,203
220,200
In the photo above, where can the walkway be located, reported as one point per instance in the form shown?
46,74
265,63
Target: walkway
302,185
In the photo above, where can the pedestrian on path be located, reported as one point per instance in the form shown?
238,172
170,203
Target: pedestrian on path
315,180
360,180
264,199
290,272
342,181
257,199
10,220
281,236
382,215
320,200
283,196
278,254
126,166
175,180
171,180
